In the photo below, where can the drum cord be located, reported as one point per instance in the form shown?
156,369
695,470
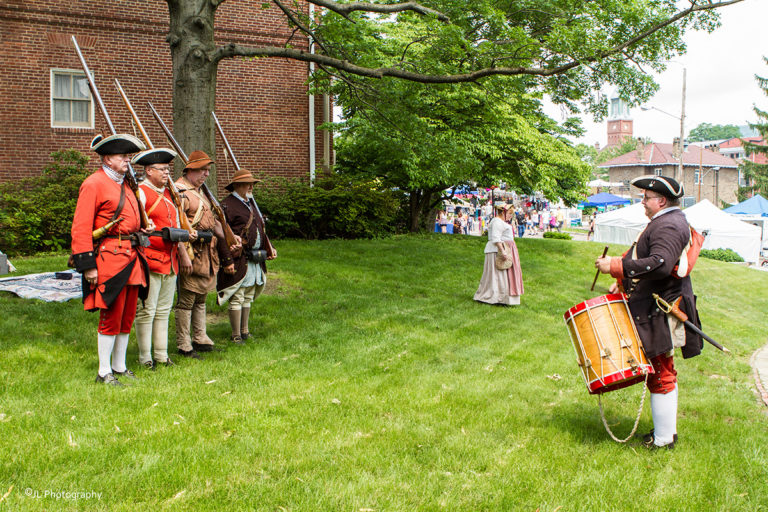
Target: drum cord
637,420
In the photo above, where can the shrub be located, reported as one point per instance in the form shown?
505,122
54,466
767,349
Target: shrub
557,235
728,255
36,213
335,207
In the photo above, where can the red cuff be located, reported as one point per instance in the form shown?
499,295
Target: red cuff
617,268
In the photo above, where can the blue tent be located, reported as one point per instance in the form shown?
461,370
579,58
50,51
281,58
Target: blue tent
604,199
755,205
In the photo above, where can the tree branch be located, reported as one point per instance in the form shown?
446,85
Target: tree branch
233,50
346,9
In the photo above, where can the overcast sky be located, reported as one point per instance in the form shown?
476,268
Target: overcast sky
720,85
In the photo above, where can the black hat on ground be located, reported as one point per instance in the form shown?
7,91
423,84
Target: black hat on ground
118,144
663,185
154,156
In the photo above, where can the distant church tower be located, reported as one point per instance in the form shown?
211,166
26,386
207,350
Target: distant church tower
619,122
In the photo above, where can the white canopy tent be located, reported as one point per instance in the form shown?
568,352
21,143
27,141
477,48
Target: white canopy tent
722,230
725,232
620,226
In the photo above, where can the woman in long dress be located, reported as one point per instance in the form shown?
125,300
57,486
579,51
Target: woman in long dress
500,286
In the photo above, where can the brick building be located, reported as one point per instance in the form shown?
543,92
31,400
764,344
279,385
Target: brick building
262,104
706,174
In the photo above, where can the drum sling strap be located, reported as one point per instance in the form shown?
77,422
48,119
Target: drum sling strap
637,420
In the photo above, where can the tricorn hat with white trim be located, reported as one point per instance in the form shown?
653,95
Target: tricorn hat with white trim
154,156
664,185
118,144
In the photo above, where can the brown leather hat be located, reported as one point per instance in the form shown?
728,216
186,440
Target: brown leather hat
197,160
241,176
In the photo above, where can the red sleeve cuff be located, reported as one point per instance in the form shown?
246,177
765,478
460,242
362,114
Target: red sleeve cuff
617,268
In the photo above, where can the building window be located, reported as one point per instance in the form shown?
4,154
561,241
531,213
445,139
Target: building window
71,103
657,171
696,175
743,182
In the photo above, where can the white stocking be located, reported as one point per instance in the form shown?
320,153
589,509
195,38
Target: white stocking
118,353
664,412
106,343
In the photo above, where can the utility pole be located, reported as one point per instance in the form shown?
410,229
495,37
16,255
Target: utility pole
681,178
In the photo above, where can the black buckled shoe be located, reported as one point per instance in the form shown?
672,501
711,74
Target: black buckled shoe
649,438
150,365
169,363
237,340
190,353
245,335
204,348
128,374
109,380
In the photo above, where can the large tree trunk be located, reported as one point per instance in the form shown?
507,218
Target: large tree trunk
423,208
194,75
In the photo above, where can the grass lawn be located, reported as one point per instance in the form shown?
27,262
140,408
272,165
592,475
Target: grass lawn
377,384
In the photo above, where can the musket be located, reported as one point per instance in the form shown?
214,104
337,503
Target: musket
226,142
229,236
674,310
130,176
183,220
270,248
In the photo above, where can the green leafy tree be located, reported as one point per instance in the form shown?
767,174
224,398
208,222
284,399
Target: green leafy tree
424,139
757,173
565,48
707,131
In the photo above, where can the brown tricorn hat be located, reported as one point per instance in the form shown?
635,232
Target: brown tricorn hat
241,176
197,160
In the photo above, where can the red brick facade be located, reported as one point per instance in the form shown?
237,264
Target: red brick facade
262,104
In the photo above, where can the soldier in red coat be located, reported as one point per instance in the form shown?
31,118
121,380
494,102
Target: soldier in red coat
113,267
166,256
645,269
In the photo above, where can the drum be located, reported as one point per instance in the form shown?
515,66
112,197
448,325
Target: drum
608,349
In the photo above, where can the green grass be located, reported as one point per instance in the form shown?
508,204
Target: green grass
378,384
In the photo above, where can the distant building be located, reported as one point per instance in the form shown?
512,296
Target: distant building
619,121
734,149
706,174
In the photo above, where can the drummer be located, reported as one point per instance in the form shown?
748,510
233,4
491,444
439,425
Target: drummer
647,269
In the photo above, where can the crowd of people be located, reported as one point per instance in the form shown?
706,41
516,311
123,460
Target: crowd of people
134,256
528,218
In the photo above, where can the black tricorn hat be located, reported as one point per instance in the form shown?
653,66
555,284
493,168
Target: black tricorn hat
664,185
118,144
154,156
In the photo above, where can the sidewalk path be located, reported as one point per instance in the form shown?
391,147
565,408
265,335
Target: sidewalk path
759,362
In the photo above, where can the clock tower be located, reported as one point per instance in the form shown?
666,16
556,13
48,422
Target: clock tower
619,121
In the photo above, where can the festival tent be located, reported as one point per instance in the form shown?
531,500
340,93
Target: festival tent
620,226
604,199
723,231
755,205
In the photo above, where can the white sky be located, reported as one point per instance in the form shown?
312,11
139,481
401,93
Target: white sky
720,84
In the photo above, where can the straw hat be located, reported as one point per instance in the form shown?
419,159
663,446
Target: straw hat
241,176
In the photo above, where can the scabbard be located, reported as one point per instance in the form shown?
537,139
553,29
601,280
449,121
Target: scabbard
698,331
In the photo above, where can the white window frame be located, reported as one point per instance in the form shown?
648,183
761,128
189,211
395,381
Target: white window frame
657,171
51,98
696,175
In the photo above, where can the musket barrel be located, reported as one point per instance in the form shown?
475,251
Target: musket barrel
226,142
92,86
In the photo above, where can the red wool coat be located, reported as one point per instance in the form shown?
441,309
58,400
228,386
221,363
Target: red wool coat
162,256
118,264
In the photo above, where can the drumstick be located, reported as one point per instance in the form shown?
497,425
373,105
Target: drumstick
598,270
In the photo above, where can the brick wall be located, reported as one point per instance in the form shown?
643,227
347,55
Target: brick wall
262,104
716,186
